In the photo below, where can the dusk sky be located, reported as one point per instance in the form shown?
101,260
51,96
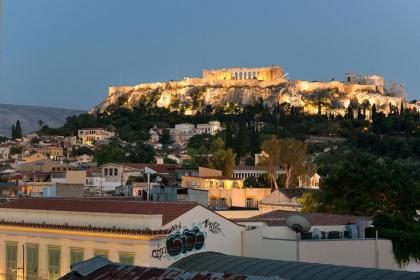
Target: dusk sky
66,53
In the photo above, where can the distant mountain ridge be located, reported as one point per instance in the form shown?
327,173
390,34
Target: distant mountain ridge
30,115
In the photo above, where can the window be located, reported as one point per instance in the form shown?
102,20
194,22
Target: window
251,202
126,258
106,171
11,260
115,171
53,262
76,255
32,261
101,253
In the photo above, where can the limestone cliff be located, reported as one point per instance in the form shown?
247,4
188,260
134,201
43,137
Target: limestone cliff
243,86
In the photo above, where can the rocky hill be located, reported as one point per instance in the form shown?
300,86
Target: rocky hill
225,87
30,115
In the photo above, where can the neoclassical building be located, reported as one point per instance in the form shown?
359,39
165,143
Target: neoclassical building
271,73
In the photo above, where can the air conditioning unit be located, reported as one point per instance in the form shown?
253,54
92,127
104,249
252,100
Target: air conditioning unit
352,231
318,234
305,235
335,235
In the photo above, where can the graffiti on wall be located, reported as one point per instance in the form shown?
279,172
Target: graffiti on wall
213,227
186,241
182,240
175,227
159,253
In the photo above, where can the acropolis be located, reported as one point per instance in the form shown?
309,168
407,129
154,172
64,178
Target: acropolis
239,85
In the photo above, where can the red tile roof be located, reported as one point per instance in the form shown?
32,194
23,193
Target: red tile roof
92,128
169,210
278,218
87,229
159,168
215,177
5,145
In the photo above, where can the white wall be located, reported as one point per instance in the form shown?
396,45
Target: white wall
267,248
221,235
238,214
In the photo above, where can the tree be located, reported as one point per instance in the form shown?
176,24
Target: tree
198,149
13,132
141,153
14,150
251,182
167,160
359,183
292,158
83,150
40,124
241,140
320,98
223,160
165,137
112,152
349,113
287,153
18,129
271,149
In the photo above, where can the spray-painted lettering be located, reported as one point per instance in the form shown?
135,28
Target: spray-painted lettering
159,253
213,227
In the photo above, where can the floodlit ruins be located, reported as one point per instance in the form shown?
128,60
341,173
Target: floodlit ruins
241,86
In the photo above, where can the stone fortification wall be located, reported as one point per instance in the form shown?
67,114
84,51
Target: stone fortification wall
350,88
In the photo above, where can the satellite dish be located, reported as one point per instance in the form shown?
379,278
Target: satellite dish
316,234
298,223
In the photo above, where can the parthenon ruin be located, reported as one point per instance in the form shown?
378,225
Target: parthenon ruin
272,73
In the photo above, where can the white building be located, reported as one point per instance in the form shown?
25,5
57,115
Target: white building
56,233
327,242
245,171
89,136
4,151
112,175
213,127
182,133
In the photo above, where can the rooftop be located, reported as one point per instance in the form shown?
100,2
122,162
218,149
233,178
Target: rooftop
92,128
214,177
249,167
278,218
169,210
216,262
101,268
89,229
159,168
